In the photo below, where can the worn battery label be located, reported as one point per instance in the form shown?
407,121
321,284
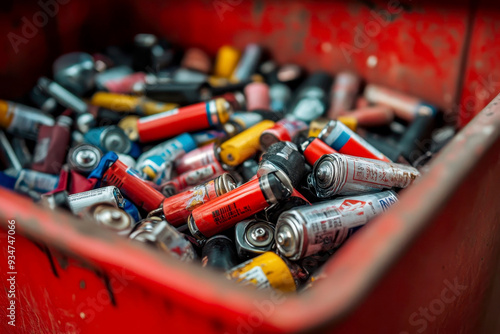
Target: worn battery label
25,122
80,201
39,182
330,223
257,277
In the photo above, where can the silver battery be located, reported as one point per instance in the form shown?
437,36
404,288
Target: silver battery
160,234
62,95
110,217
308,230
111,195
339,174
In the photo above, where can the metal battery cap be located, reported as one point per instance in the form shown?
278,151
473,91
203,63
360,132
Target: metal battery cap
288,237
224,183
259,234
113,218
114,139
323,174
84,157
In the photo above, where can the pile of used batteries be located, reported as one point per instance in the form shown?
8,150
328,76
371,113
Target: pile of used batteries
257,169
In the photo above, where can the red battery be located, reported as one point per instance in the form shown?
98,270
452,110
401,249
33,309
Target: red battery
132,186
197,158
238,204
178,208
313,149
195,117
193,178
284,130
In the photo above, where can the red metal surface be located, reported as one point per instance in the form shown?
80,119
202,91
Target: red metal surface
482,73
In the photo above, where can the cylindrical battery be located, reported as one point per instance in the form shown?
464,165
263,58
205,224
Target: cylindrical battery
128,103
197,158
343,93
307,230
84,158
111,138
110,195
315,148
238,204
22,120
338,174
226,61
195,117
196,59
177,208
37,181
219,253
242,146
110,217
257,96
62,95
283,130
248,63
195,177
51,146
371,116
163,236
265,271
131,185
345,141
405,106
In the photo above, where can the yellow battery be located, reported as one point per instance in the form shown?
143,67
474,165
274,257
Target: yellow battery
265,271
242,146
349,121
129,125
6,114
226,61
317,125
127,103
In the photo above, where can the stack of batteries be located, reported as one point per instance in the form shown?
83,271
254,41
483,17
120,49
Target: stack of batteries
249,167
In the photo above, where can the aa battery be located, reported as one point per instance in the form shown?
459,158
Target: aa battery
238,204
280,94
343,93
315,148
75,71
345,141
110,217
177,208
267,271
338,174
307,230
196,117
84,158
283,130
155,161
51,146
197,158
219,253
226,61
22,120
32,180
111,138
110,195
257,96
242,146
248,63
133,186
161,235
253,237
193,178
311,100
127,103
283,156
8,156
62,95
370,116
405,106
